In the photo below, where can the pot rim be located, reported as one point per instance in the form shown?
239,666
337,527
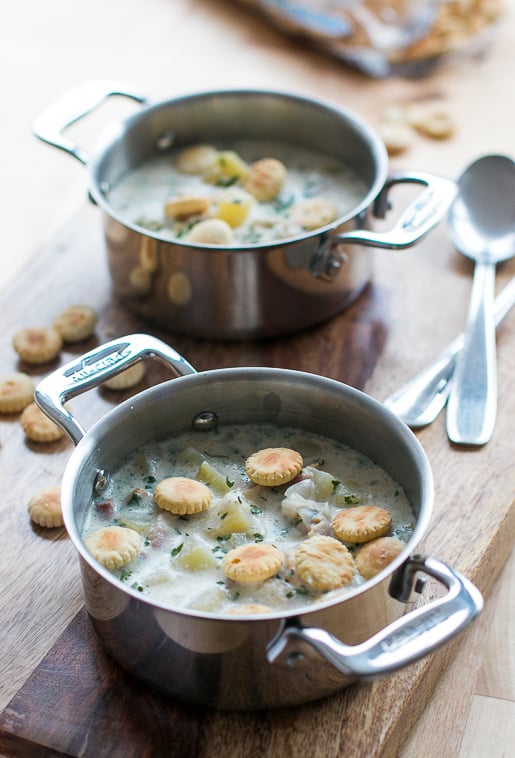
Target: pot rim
102,429
117,131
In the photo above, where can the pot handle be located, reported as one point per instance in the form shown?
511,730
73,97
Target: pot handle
73,106
93,368
416,220
404,641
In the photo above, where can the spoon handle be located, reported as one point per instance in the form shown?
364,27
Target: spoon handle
472,405
420,400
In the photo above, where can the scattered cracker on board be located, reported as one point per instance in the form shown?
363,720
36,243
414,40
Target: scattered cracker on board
400,123
38,344
375,555
252,563
38,427
436,124
361,523
126,379
45,507
181,495
323,563
16,392
76,323
397,136
273,466
113,546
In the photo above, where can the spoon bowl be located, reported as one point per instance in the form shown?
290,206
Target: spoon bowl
482,217
482,227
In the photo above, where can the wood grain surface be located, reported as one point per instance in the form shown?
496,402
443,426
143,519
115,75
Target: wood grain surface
52,704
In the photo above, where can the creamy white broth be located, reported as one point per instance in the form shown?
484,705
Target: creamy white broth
179,562
140,195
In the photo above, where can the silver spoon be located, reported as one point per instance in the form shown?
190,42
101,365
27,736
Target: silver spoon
482,227
420,400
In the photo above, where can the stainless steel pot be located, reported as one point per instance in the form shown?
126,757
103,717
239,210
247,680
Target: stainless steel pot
280,658
252,291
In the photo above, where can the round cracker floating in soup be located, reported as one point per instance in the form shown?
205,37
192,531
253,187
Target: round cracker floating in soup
361,523
273,466
252,563
196,159
314,213
113,546
374,556
181,495
247,609
323,563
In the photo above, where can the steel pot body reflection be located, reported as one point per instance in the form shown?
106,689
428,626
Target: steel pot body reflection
277,658
258,290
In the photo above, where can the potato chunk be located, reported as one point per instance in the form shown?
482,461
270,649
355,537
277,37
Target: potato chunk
234,206
230,516
227,168
196,557
217,480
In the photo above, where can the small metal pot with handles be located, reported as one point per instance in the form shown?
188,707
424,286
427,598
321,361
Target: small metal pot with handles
281,657
256,290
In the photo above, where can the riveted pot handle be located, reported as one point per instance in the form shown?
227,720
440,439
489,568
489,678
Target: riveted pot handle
94,368
416,220
404,641
73,106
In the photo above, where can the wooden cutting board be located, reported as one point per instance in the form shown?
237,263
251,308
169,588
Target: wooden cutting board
71,699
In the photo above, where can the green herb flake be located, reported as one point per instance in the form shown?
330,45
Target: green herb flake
228,482
258,537
256,510
226,181
177,550
282,204
297,591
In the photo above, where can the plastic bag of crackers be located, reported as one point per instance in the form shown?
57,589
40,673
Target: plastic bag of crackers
400,37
